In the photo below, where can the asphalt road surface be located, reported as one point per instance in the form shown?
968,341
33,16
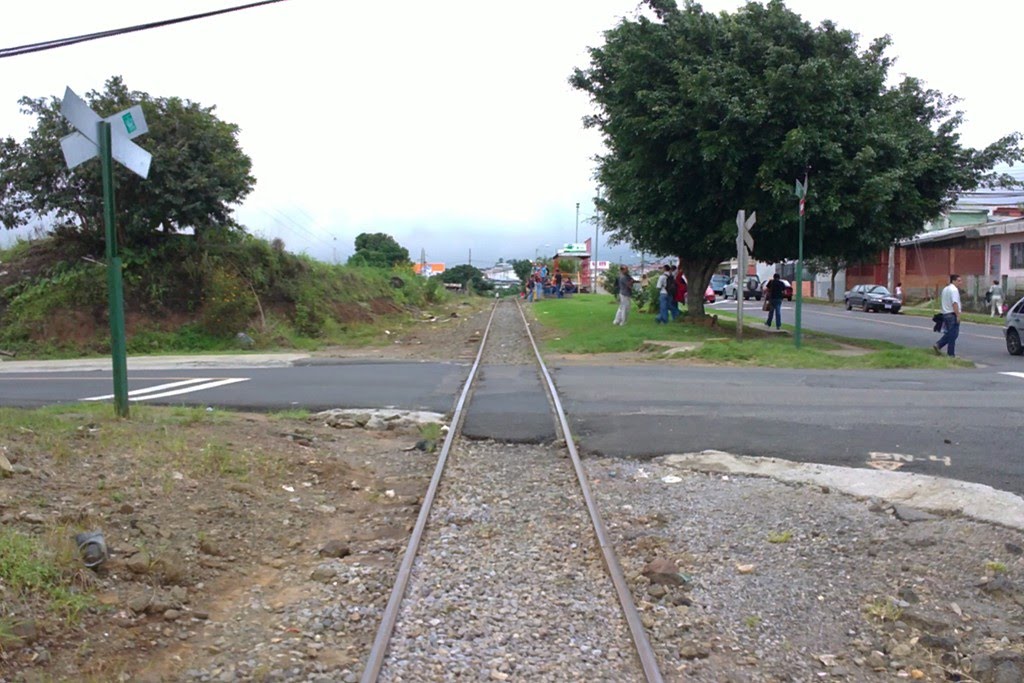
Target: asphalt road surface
956,423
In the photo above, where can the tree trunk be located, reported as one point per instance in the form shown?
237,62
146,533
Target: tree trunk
832,285
698,274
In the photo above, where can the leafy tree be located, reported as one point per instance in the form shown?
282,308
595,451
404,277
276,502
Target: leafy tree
705,114
198,172
378,250
469,276
523,267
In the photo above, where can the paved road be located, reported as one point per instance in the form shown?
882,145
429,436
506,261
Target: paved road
953,423
983,344
958,424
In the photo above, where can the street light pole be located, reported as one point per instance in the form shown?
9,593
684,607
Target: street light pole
576,241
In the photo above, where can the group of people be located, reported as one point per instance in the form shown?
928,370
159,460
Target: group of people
671,292
671,287
538,282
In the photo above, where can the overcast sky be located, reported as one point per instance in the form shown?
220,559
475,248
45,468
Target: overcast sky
448,124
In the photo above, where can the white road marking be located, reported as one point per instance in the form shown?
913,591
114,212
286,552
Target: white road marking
175,388
1013,374
894,461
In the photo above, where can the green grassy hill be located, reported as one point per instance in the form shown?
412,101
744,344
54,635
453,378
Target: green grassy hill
188,296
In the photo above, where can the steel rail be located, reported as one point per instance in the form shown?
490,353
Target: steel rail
387,625
636,627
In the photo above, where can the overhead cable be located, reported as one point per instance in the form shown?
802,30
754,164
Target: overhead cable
64,42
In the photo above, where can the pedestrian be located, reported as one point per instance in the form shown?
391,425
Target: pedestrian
775,292
625,296
538,285
663,295
899,291
995,299
529,288
671,288
558,284
679,296
950,318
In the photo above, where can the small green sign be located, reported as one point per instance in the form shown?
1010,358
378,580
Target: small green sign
129,122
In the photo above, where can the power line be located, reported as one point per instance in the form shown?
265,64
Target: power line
64,42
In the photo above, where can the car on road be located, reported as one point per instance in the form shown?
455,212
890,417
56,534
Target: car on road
1013,329
751,288
872,298
718,283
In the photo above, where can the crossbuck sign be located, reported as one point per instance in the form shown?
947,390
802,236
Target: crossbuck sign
84,144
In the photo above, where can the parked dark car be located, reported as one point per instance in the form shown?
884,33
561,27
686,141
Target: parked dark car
718,283
872,298
751,288
1014,329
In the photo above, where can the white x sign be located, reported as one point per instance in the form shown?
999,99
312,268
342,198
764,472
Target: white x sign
84,144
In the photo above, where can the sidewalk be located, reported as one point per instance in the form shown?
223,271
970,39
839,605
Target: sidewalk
239,360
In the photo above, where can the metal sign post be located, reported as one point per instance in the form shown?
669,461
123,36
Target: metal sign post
110,139
744,243
801,193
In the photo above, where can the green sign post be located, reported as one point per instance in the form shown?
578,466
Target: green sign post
115,288
801,193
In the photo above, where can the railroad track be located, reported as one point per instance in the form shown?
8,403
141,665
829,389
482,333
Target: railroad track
509,574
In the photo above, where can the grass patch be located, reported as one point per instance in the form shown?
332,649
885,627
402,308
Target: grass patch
292,414
780,537
996,567
926,311
31,568
583,325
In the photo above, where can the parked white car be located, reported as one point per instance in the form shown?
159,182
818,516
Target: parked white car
1013,330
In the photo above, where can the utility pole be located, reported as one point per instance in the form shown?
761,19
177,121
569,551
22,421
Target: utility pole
470,257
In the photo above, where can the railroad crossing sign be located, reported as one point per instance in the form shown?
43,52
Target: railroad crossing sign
744,225
84,144
801,193
109,139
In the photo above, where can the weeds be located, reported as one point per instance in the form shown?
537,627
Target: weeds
883,609
782,537
996,567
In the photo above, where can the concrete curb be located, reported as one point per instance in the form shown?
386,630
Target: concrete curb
926,492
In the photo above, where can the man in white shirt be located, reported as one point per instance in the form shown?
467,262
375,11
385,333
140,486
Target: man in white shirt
950,317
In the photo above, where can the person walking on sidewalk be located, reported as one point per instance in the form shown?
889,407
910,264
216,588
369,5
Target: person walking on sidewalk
950,318
995,299
625,296
776,292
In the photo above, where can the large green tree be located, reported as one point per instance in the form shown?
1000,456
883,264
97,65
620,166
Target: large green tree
198,172
378,250
704,114
469,276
